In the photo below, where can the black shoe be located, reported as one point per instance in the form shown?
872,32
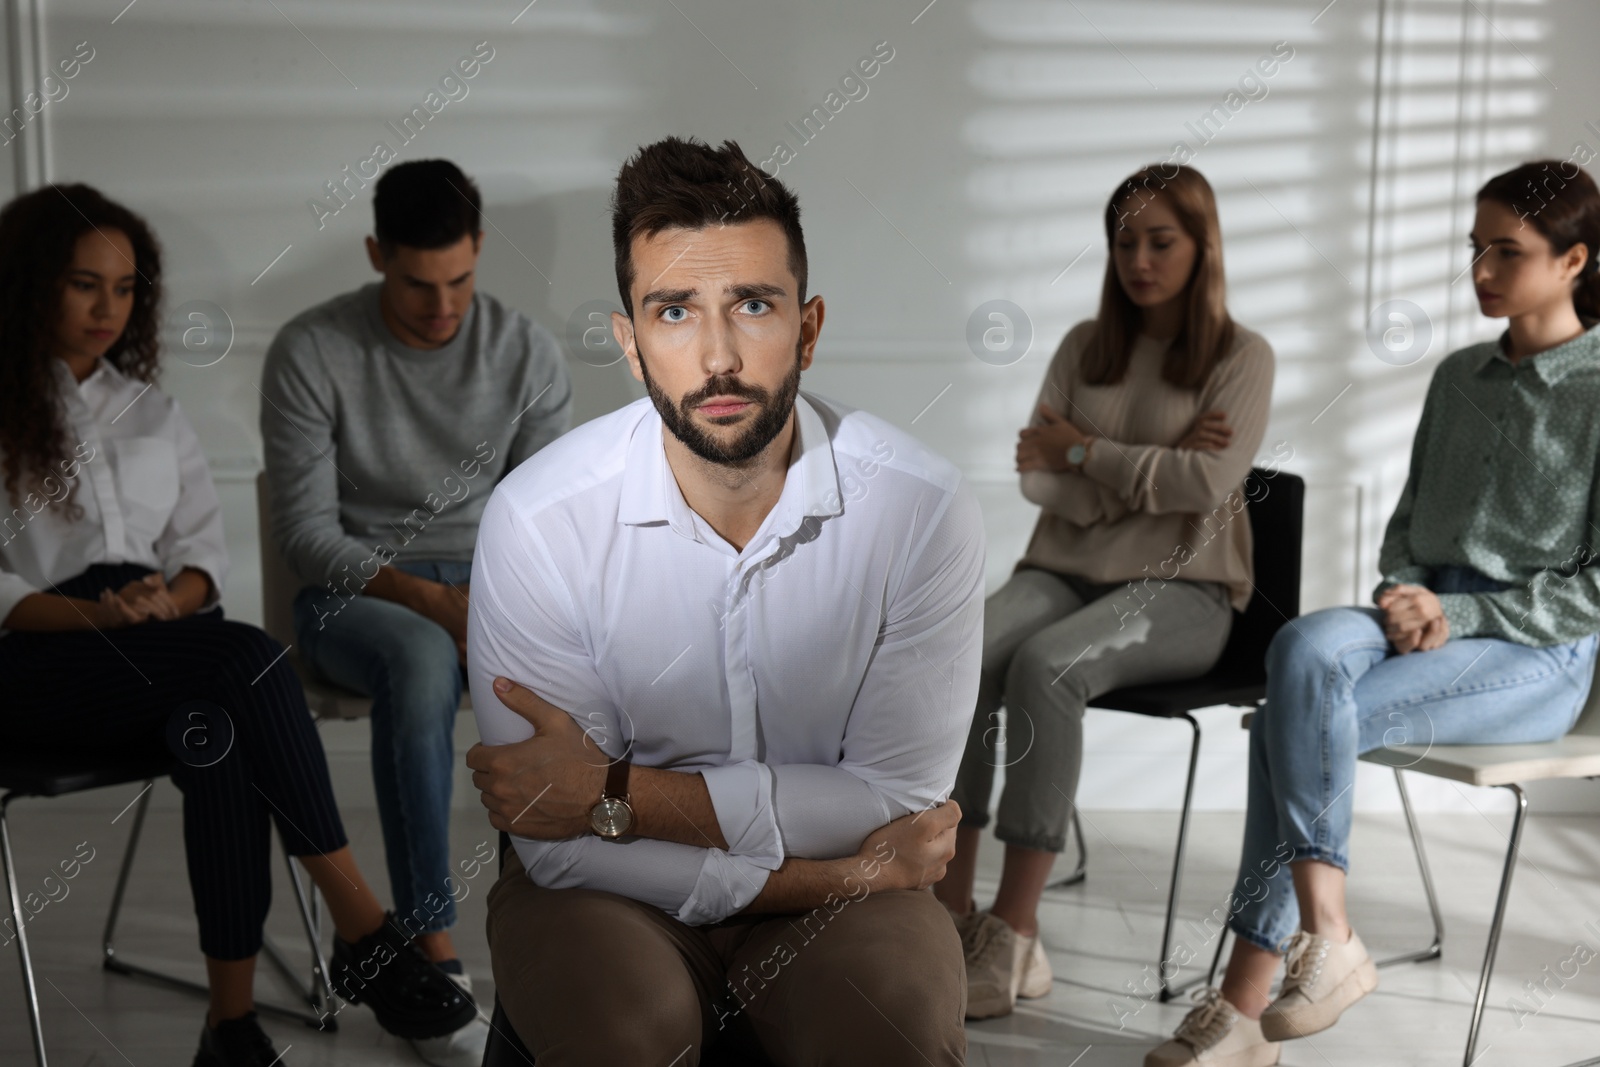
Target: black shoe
236,1043
410,996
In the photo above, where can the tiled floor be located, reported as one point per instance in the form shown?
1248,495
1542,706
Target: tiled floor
1100,936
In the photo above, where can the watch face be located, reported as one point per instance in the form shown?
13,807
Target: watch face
1076,453
611,817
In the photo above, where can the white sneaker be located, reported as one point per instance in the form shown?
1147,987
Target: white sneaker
1001,965
1037,978
463,1047
1214,1034
1321,979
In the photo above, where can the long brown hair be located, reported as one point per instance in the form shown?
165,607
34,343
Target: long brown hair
1565,208
1207,332
39,234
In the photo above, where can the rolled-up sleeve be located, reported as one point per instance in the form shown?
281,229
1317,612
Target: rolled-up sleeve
193,536
522,625
742,796
1157,479
908,725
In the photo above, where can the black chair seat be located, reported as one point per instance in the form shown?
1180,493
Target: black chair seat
58,770
41,773
1239,676
1168,700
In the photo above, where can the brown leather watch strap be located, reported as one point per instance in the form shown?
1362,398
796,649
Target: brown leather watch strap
617,780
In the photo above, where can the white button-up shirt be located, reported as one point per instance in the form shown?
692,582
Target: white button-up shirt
822,680
141,480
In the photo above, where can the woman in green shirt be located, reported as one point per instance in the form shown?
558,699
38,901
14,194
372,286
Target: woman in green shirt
1484,630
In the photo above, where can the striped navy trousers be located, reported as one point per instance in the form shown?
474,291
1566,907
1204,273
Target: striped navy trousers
120,689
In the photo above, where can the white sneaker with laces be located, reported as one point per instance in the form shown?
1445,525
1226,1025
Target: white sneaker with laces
1214,1034
1321,978
1001,966
463,1047
1036,979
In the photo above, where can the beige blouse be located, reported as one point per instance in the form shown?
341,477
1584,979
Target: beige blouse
1141,507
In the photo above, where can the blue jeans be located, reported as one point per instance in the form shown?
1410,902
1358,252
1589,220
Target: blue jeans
407,665
1336,689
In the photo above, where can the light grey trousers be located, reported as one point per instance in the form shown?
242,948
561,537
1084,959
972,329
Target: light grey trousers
1051,644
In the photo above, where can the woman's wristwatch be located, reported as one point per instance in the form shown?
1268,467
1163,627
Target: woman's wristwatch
1078,453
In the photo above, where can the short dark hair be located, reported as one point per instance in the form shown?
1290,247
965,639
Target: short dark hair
689,184
427,203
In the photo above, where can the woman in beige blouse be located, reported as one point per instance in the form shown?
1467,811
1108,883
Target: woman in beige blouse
1146,426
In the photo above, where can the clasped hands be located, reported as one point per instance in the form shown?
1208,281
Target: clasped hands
139,600
1413,619
544,787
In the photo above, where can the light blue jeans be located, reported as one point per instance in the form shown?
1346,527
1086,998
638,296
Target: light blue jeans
1336,689
407,664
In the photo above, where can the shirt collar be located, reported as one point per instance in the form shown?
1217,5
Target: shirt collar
650,493
1552,364
104,374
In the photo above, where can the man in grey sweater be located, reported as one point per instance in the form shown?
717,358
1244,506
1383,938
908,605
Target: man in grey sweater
388,416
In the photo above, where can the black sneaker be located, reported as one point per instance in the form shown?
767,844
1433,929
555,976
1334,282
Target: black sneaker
410,996
236,1043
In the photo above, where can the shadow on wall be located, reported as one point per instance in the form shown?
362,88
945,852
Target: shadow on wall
1287,146
523,240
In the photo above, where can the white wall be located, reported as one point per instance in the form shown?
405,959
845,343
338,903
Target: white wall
975,168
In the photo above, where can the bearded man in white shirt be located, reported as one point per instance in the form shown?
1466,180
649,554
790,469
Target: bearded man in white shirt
742,625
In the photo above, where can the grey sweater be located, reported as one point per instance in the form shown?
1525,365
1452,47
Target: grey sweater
377,451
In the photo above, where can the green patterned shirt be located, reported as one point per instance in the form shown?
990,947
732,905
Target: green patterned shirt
1505,478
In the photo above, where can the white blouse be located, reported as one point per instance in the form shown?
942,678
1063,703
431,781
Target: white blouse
141,480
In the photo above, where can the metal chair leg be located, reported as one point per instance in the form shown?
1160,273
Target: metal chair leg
118,965
1499,918
107,947
109,958
28,988
1216,961
1079,873
1433,951
1168,991
319,993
